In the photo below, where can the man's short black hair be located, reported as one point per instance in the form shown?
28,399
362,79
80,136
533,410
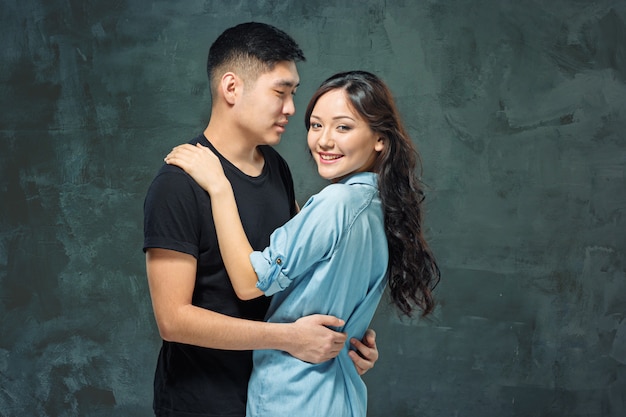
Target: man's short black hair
252,48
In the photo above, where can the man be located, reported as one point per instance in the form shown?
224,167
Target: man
208,333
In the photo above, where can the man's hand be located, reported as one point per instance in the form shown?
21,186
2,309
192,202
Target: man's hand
312,341
366,353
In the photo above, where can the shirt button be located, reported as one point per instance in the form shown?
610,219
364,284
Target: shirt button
279,261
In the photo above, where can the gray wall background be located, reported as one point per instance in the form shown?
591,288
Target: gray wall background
518,109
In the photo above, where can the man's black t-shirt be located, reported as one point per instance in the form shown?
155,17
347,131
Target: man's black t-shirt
191,380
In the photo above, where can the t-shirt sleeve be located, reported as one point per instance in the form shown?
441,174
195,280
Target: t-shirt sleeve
308,238
171,215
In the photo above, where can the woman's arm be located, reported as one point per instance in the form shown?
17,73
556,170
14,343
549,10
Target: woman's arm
204,166
206,169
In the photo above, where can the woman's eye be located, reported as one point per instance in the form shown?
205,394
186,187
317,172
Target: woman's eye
343,128
315,125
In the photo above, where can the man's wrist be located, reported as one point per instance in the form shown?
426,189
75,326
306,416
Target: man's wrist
281,337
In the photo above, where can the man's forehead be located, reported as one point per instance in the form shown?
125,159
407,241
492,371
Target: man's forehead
284,74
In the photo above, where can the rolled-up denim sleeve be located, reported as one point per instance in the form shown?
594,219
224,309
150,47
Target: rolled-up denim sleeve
308,238
271,278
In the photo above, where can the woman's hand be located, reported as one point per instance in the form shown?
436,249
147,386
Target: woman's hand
201,164
366,353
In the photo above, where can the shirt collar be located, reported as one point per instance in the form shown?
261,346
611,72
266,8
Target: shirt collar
368,178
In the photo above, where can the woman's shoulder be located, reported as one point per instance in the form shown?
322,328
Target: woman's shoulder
360,183
355,192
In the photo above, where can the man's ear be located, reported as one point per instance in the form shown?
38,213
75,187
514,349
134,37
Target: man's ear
229,86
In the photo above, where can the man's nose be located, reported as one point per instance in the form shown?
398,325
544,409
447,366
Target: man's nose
290,106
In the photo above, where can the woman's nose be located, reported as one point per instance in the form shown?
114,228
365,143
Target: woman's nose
325,139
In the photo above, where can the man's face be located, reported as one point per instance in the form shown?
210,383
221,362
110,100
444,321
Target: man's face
265,106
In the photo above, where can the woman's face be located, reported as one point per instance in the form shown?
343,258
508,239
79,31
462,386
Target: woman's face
340,140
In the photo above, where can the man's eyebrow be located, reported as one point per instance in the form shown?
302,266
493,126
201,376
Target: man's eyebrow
286,83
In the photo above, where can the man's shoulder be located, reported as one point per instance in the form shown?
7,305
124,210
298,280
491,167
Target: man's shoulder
169,175
172,184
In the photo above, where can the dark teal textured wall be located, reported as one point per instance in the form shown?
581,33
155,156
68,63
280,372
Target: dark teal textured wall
518,108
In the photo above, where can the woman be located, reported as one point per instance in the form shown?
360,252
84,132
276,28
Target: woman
335,257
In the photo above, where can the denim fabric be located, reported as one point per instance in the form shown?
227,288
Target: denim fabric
331,258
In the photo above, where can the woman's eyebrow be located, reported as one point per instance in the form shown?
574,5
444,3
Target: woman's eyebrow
335,117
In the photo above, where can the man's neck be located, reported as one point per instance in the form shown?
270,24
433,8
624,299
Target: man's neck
239,151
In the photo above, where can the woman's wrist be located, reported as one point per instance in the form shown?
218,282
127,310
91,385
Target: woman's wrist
219,188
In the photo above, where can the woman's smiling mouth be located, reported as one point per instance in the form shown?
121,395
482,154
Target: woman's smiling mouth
329,157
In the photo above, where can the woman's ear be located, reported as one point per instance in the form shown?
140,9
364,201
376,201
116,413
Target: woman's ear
380,144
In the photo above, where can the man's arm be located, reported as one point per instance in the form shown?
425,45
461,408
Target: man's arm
237,260
171,277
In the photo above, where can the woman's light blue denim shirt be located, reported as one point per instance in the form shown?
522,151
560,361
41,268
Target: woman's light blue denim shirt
332,259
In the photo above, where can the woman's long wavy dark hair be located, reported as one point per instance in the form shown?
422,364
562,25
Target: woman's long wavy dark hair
413,271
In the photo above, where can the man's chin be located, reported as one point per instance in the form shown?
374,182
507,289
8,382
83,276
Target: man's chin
273,141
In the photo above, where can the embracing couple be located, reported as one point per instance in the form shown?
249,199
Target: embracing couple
263,307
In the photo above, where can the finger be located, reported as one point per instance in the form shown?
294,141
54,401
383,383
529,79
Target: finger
170,157
362,350
358,360
180,157
358,345
370,338
338,339
175,153
361,365
185,151
200,147
331,321
205,150
368,353
177,149
176,156
181,163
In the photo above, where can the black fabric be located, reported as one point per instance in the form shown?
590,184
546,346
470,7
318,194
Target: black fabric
190,380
